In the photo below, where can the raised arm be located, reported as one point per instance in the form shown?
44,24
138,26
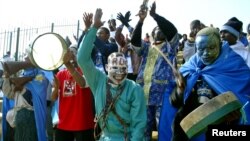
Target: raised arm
168,29
87,24
69,61
136,36
119,37
86,46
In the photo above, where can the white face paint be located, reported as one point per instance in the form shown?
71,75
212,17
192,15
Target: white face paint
117,68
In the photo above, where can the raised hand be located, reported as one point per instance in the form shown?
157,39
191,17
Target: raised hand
142,14
112,24
68,56
121,18
88,20
127,16
152,10
144,5
97,18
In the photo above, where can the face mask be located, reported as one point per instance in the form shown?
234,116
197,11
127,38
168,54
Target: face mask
117,68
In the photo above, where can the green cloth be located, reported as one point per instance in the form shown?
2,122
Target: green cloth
25,129
131,105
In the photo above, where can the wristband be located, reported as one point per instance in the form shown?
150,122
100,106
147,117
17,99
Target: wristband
130,29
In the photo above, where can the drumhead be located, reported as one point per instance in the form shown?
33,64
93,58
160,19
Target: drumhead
210,113
47,50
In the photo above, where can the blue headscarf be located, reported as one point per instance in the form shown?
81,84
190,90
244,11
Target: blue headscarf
229,72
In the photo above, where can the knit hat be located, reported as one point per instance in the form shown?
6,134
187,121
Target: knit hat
233,26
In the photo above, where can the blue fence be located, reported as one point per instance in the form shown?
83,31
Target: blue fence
16,41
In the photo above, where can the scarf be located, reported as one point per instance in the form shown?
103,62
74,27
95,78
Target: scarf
228,73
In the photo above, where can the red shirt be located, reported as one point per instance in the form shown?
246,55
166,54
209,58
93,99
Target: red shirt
75,104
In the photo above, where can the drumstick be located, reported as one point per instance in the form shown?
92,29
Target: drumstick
176,73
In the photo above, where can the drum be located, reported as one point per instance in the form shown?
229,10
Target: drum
47,51
209,113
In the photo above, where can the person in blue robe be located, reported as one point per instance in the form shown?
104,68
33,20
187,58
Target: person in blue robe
217,69
29,122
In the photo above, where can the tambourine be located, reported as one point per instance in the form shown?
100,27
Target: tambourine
209,113
47,51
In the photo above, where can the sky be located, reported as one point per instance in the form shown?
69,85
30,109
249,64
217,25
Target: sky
18,13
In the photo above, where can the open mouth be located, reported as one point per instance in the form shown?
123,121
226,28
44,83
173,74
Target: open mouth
119,77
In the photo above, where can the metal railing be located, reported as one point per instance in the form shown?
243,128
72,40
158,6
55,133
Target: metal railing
16,41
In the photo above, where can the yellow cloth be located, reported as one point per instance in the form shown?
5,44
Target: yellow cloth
153,55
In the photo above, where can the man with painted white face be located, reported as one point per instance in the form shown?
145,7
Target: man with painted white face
119,102
213,70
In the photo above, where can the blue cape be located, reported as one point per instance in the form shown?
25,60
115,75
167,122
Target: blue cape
228,73
167,115
6,106
38,87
